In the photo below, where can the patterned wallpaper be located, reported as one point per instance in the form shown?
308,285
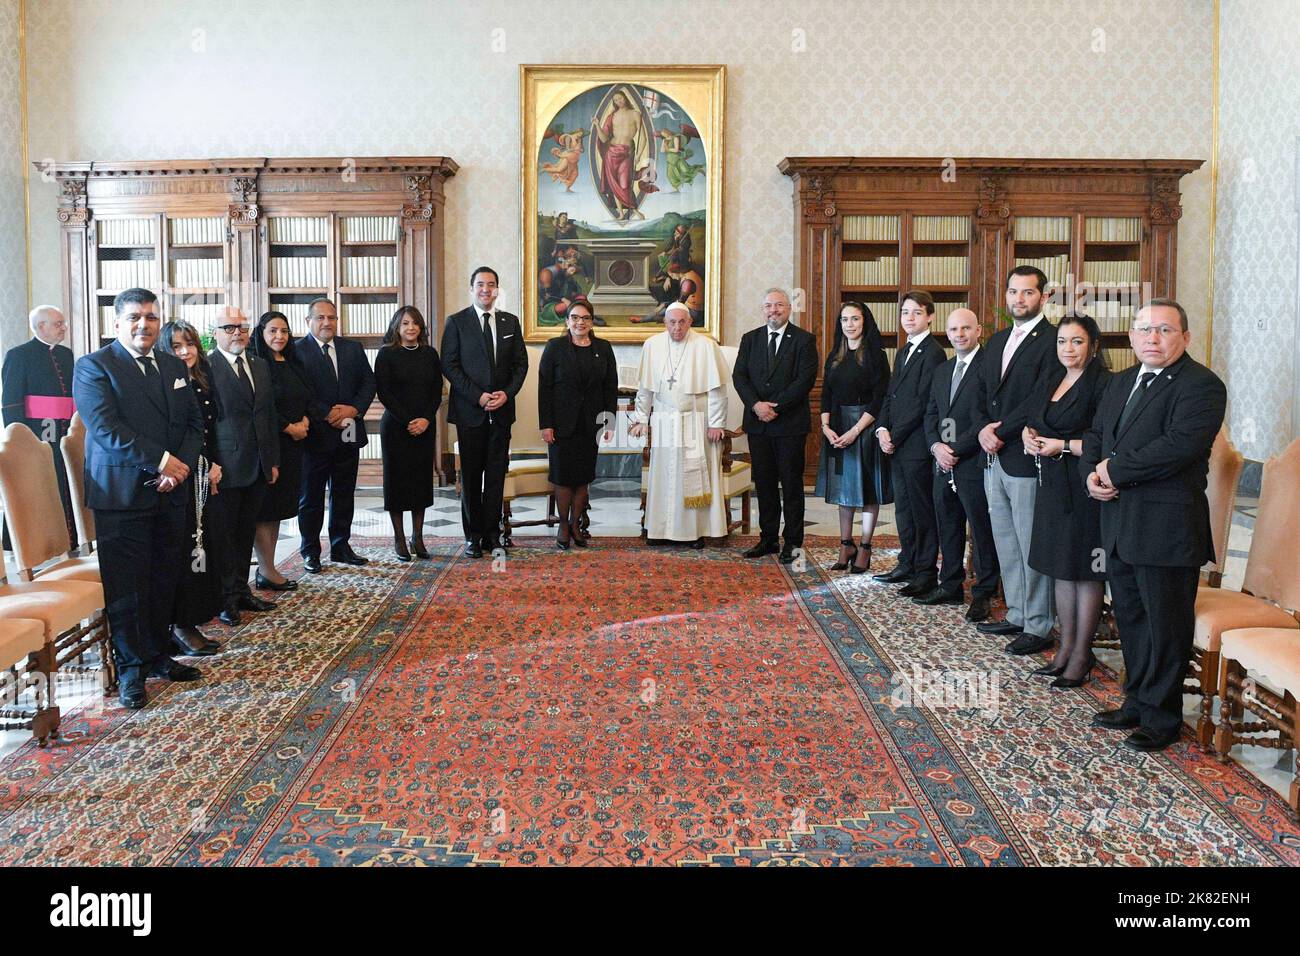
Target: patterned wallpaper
137,79
13,241
1255,228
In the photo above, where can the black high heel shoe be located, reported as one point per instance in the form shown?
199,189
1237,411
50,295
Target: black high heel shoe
856,568
417,548
1047,670
844,565
1077,681
400,547
575,534
264,585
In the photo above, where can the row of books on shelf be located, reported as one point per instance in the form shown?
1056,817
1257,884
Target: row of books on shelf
370,271
202,315
940,228
369,229
1056,268
1112,229
207,273
197,230
127,232
127,273
881,271
1042,229
940,270
305,229
367,318
1118,359
1111,272
299,272
870,228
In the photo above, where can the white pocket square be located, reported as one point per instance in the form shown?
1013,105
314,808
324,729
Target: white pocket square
179,383
510,336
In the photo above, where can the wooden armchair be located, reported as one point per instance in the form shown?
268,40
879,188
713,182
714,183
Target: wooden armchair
1270,591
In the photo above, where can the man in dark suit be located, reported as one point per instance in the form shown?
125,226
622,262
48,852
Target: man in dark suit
484,359
37,388
776,367
958,484
248,444
144,432
901,433
342,386
1145,459
1019,359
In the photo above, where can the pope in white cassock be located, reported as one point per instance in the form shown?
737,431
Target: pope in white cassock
682,393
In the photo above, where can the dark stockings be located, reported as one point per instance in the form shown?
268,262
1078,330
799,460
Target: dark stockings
1078,608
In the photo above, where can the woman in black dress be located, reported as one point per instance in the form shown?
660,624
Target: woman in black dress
272,341
577,398
1066,538
852,472
199,595
408,381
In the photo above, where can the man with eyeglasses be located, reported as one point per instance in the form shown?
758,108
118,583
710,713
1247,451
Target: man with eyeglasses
1145,459
144,432
248,444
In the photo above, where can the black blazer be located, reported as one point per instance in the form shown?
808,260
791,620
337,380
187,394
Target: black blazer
787,383
465,363
131,421
1159,464
906,398
248,432
1010,400
957,425
354,386
562,401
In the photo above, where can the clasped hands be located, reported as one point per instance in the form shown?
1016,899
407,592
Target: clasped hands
842,441
765,411
989,440
340,415
491,401
1035,444
172,475
1099,484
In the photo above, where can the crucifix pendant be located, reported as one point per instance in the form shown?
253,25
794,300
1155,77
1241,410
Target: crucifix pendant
672,380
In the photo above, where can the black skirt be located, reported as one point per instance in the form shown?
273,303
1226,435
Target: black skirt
573,460
1066,542
408,465
857,476
281,499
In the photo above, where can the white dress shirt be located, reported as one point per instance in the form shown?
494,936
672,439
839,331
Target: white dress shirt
332,354
150,356
248,366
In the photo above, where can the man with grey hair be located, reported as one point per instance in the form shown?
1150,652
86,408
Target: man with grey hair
38,391
776,367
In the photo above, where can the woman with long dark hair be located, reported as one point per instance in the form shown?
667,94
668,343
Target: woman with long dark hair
272,341
1066,537
408,380
199,596
577,398
851,472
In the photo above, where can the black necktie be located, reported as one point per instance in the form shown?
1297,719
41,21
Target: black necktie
1144,381
488,343
902,357
242,375
771,351
330,362
146,362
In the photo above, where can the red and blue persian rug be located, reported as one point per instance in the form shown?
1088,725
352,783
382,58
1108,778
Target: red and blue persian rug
621,705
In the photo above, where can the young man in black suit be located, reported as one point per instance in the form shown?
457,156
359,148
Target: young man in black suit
776,366
248,444
1019,358
484,359
37,384
958,484
144,432
1145,459
901,433
342,386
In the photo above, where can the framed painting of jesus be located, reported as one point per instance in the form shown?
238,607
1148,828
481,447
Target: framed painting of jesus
622,196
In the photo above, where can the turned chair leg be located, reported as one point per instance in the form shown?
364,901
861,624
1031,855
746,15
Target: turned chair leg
1209,688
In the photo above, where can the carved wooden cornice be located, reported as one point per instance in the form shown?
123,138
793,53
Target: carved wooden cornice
832,165
251,167
1166,208
993,207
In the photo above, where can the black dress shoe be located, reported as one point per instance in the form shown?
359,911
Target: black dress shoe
1148,741
892,577
1049,670
1115,719
264,585
978,610
417,548
131,693
939,596
174,670
473,549
190,643
1029,644
312,564
916,589
251,602
997,627
229,616
786,556
348,557
762,549
697,544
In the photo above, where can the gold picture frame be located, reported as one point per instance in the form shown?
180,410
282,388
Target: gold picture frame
622,196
